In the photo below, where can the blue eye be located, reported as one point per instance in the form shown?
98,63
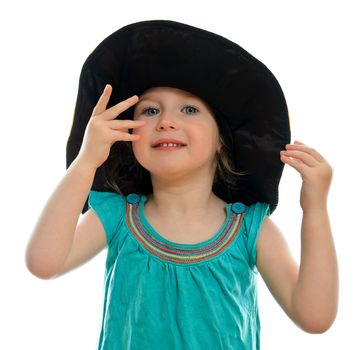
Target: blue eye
191,110
145,110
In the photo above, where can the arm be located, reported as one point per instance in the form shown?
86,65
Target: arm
57,244
315,296
53,234
308,293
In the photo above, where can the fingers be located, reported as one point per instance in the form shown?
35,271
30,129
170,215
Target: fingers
298,165
103,100
308,162
299,157
116,110
126,124
118,135
112,112
298,148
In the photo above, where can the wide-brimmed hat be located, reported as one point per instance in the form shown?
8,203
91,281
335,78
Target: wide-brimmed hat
243,93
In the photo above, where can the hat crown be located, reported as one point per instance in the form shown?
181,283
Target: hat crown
247,99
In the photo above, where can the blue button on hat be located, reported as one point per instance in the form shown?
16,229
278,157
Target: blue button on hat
238,208
133,198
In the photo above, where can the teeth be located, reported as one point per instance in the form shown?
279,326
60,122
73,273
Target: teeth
169,145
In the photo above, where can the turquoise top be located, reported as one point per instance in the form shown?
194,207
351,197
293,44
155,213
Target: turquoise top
159,294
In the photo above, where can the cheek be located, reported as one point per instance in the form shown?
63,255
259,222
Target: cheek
137,150
142,130
208,138
139,146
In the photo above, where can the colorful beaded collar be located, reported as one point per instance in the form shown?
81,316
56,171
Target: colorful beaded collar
179,253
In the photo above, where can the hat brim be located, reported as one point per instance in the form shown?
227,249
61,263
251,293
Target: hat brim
242,90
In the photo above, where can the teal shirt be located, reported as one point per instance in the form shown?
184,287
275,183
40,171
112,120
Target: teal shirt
159,294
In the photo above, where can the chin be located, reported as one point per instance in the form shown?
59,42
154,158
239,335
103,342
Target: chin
167,172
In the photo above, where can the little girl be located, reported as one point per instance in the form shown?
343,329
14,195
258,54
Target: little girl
181,179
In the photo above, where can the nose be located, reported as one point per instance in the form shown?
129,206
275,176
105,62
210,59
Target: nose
166,123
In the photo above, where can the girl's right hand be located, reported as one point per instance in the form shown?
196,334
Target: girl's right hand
103,130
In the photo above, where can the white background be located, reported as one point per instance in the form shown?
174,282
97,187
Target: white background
306,44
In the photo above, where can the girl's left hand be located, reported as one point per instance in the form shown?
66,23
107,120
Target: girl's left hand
315,171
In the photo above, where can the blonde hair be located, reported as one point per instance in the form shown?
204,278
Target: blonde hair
225,171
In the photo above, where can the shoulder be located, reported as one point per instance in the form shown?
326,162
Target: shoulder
105,196
108,198
254,214
110,207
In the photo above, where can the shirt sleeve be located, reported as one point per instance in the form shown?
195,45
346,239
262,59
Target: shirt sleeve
253,219
110,209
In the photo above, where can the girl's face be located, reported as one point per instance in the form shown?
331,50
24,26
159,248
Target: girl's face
175,116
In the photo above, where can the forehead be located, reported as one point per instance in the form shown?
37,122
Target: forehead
166,90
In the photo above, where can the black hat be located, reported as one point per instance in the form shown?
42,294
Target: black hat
246,97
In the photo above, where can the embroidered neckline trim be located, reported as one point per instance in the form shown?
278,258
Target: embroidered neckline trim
176,252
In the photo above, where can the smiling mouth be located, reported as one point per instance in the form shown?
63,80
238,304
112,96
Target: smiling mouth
169,146
179,145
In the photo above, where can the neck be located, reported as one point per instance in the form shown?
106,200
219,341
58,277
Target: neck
183,197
